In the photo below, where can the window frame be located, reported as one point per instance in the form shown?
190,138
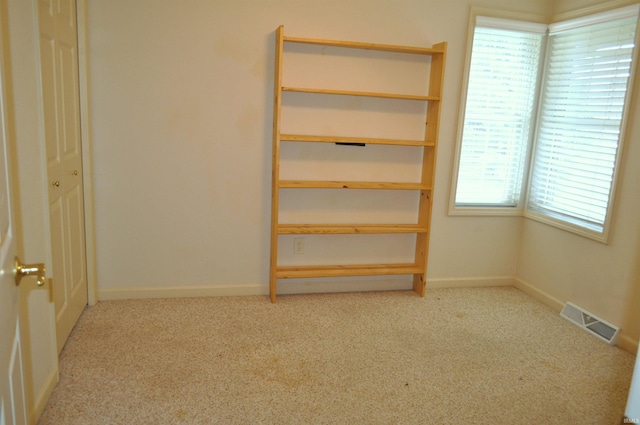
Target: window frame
572,225
518,209
521,208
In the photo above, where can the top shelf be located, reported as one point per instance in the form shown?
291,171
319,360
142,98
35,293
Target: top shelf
361,93
437,50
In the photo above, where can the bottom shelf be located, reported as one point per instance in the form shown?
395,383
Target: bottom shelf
287,272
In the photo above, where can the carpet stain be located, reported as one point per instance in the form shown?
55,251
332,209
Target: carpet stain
293,375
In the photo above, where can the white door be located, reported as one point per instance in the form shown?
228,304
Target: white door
633,403
12,399
61,106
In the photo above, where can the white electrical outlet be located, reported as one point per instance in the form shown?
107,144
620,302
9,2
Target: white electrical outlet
298,246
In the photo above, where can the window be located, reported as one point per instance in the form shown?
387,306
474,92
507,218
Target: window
572,119
580,121
499,108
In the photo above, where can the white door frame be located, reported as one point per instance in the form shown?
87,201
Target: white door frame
87,150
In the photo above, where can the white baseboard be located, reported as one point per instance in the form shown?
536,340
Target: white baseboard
296,287
284,288
627,343
539,295
42,398
624,341
470,282
180,292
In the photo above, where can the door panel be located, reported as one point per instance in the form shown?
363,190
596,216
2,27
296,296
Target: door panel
57,245
67,13
16,382
12,395
69,99
61,103
47,55
11,370
76,265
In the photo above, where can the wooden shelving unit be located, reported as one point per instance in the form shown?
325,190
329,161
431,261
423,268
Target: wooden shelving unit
418,268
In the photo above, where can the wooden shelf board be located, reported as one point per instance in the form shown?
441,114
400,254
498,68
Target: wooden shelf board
367,46
343,139
360,93
288,272
325,184
348,229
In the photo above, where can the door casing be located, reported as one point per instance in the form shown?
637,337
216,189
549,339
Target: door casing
87,150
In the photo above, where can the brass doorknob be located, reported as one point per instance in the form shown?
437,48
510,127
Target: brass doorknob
22,270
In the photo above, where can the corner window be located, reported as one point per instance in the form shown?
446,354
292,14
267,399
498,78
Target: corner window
583,100
549,137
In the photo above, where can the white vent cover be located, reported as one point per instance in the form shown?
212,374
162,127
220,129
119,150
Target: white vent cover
592,324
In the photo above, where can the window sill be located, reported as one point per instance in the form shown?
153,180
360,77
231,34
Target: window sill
485,211
598,236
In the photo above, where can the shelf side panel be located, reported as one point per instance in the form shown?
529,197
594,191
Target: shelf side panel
428,166
275,168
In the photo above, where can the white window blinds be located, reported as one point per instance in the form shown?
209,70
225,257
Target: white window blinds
582,106
500,98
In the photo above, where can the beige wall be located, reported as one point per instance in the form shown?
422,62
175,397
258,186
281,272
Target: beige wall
182,107
181,100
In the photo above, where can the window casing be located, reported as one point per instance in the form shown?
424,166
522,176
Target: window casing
572,121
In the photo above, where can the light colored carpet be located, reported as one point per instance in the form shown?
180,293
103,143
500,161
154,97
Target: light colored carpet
473,356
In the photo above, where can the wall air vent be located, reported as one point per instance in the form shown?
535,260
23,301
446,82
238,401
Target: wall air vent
592,324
